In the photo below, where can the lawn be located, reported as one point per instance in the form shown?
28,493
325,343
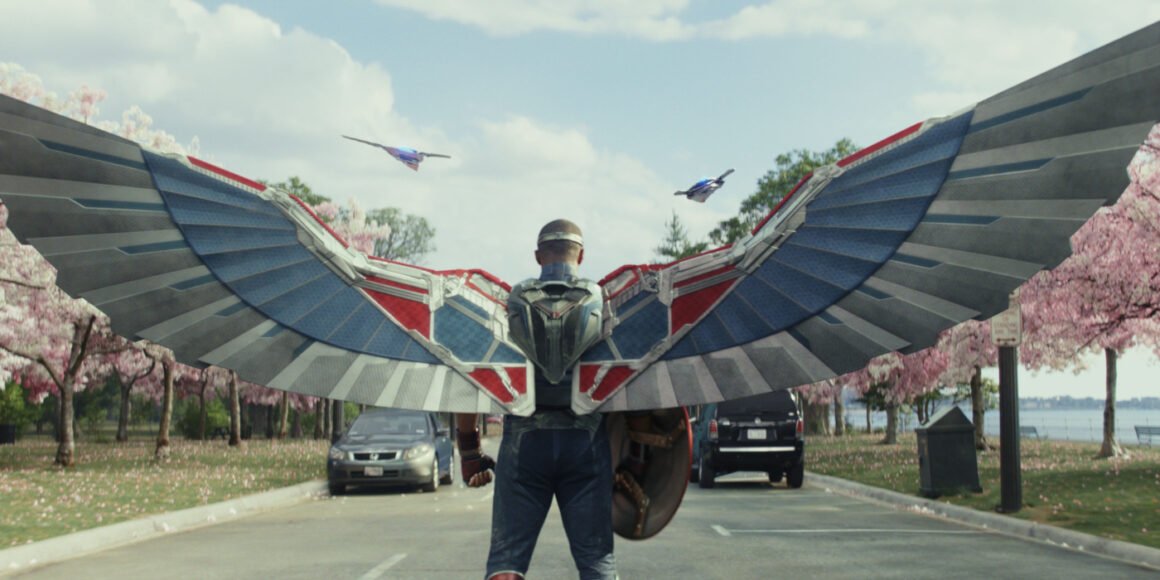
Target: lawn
1063,485
114,482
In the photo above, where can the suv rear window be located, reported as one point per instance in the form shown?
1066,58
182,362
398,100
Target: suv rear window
776,401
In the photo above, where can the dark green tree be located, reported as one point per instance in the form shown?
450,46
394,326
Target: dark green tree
676,244
789,169
411,238
294,186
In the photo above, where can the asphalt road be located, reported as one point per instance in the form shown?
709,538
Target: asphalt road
745,528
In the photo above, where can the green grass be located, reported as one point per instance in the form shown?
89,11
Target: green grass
1063,485
114,482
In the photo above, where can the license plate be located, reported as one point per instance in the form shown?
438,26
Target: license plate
374,472
755,434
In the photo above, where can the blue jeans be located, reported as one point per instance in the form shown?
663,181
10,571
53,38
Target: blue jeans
536,463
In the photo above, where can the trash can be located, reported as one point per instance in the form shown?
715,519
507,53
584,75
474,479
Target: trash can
946,454
8,434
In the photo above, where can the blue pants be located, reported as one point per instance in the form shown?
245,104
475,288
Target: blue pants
536,464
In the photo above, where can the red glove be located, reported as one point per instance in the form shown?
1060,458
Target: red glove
473,463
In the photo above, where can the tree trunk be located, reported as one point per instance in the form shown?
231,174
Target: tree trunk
839,414
1110,447
319,414
296,424
66,449
202,414
891,437
162,450
126,411
235,412
978,409
284,416
268,410
337,420
869,426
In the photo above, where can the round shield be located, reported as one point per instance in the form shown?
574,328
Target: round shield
651,454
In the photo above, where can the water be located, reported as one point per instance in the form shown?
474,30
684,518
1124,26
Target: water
1060,424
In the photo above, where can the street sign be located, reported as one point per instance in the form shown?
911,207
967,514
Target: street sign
1007,327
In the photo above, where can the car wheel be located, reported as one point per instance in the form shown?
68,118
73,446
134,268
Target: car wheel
433,485
796,476
707,474
336,488
774,476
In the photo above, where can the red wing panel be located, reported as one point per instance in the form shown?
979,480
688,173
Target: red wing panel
688,308
411,314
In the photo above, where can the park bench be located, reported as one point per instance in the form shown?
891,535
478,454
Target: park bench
1029,431
1145,433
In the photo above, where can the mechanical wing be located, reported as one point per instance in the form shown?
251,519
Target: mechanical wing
228,272
880,252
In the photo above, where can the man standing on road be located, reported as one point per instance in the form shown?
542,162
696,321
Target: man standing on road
553,452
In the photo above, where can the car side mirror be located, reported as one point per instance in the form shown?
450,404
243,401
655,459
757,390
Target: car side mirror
443,432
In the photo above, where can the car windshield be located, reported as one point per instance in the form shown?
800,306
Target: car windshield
410,424
775,402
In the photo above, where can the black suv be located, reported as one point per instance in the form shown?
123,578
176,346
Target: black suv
759,433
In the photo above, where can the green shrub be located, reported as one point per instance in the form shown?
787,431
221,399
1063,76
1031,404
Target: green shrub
14,410
189,419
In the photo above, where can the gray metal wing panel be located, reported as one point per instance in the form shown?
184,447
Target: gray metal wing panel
261,360
193,341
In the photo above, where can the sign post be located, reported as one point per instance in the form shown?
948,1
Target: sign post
1007,333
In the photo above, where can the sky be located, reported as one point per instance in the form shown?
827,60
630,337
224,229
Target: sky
593,110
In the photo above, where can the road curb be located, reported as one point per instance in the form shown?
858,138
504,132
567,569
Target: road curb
21,558
1079,541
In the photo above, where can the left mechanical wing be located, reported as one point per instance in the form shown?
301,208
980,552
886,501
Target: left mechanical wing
880,252
225,271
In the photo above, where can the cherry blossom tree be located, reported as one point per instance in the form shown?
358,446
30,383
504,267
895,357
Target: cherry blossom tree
52,337
969,350
82,105
898,379
1107,295
130,366
817,399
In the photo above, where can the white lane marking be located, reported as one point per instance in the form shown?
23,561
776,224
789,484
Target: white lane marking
377,572
721,530
725,532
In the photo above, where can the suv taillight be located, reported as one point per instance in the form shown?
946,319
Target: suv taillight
712,429
801,427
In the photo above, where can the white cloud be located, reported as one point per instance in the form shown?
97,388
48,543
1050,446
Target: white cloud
973,48
648,19
270,103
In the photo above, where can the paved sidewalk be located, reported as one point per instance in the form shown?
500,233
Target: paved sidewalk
1125,551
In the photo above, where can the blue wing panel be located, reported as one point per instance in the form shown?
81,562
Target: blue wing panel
870,245
363,323
266,286
811,293
637,334
836,269
331,314
467,339
233,266
505,354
